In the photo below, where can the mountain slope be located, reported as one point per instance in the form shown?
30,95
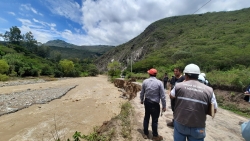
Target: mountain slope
212,40
94,50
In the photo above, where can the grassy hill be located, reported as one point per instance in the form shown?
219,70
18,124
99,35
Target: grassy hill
218,42
68,50
72,52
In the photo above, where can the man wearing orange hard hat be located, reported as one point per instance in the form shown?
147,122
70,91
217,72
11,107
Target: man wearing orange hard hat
151,94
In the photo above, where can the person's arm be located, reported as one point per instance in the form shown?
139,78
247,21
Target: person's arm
142,93
162,97
215,103
247,90
172,93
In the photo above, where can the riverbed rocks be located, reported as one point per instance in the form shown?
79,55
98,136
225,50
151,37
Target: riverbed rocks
12,102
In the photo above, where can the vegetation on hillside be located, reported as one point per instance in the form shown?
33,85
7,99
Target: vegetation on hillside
20,56
67,50
217,42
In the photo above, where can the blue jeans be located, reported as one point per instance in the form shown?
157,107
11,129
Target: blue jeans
181,133
152,109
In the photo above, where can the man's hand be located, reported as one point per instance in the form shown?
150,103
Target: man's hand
163,109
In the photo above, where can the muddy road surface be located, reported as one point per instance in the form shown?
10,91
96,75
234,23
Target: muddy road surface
92,101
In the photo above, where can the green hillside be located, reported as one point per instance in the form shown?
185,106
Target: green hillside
68,53
67,50
218,42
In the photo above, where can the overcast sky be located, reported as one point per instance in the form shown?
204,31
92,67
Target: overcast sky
95,22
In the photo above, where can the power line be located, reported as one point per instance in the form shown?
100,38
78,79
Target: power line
202,6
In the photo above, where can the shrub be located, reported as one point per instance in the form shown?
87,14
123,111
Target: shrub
4,77
4,67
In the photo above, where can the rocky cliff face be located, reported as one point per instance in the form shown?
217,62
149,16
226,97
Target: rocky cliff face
133,51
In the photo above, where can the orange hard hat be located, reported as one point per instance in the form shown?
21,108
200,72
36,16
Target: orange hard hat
152,71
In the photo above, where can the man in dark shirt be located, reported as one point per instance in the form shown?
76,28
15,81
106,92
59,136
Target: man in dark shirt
176,79
165,80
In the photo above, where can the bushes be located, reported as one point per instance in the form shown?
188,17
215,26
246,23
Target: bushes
235,78
4,77
4,67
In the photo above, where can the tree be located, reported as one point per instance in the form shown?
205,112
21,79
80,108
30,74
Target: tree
6,36
67,66
4,67
92,70
28,38
14,35
1,35
43,51
114,69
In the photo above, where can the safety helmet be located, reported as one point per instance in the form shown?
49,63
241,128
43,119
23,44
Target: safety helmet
152,71
192,69
202,79
203,74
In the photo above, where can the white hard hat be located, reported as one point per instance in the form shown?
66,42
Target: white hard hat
203,74
201,79
192,69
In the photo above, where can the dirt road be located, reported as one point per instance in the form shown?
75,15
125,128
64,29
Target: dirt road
91,102
224,127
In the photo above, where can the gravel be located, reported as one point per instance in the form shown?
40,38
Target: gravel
13,102
21,82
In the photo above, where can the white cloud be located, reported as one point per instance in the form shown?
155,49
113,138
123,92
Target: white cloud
115,22
30,8
51,25
44,32
3,20
41,30
67,8
12,13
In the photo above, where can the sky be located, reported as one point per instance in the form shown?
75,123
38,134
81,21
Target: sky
99,22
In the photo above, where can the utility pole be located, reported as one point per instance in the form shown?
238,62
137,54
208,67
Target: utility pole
131,62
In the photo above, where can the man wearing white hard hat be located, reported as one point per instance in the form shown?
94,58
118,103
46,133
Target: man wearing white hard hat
206,81
192,105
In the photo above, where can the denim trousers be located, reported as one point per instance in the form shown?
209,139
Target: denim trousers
151,109
181,133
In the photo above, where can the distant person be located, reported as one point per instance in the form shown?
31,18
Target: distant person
206,81
165,80
151,93
175,79
245,130
246,98
192,106
202,79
